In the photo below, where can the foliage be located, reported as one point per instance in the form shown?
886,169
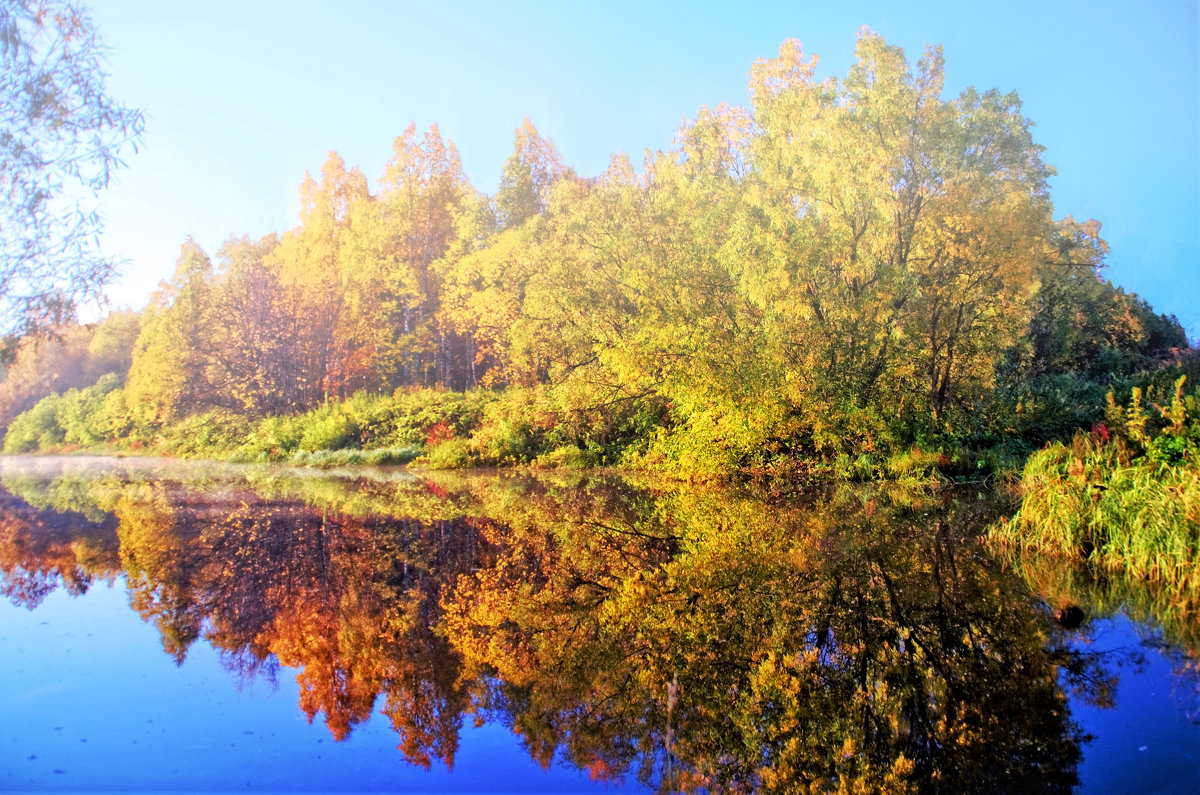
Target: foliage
74,356
1125,497
36,429
78,417
60,132
169,376
449,454
854,276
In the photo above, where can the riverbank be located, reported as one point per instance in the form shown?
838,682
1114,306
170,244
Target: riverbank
528,428
439,429
1125,497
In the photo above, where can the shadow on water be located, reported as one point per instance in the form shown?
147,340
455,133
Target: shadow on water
691,639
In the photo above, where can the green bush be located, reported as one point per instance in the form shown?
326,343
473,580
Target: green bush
1049,408
327,427
81,412
354,457
86,416
569,456
450,454
114,421
36,429
212,434
273,439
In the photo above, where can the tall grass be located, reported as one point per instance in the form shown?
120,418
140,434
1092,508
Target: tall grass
1126,499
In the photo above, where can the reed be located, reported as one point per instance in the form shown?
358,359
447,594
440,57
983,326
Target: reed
1120,510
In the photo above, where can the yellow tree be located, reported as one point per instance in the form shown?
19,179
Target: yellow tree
256,323
891,236
529,174
309,261
169,377
421,195
482,299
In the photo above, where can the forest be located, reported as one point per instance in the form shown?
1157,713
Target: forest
852,277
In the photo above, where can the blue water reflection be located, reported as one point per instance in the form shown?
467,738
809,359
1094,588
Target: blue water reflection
223,628
91,702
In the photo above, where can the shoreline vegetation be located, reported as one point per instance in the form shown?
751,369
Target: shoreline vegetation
1124,497
850,278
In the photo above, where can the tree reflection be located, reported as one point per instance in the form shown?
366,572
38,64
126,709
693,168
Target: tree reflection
41,551
696,639
350,603
830,644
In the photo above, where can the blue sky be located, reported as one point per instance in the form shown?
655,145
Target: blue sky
244,97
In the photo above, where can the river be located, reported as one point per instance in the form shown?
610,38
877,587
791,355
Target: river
175,625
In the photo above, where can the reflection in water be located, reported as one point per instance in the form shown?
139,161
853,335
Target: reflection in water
1167,616
852,640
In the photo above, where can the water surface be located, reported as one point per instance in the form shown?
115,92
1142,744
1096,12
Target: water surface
186,626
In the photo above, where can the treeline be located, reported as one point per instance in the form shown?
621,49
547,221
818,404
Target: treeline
844,270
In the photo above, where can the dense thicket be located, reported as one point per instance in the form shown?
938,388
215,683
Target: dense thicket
847,268
76,356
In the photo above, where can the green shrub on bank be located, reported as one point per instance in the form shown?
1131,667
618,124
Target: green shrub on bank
36,429
1049,408
400,425
82,417
212,434
450,454
569,456
353,457
1126,497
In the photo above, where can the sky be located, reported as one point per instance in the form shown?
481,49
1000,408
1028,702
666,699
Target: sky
242,98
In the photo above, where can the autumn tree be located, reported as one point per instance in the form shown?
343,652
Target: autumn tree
892,237
1084,325
310,266
529,174
421,193
256,323
169,376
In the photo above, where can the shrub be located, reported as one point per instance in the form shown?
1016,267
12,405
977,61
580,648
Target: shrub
569,456
328,427
80,412
209,435
354,457
36,429
450,454
1126,497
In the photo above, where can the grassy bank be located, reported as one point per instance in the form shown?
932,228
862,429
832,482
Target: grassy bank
536,427
1124,497
439,429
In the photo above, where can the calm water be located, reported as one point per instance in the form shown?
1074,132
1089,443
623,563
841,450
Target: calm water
200,627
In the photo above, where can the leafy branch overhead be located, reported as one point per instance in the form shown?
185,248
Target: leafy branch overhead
61,139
